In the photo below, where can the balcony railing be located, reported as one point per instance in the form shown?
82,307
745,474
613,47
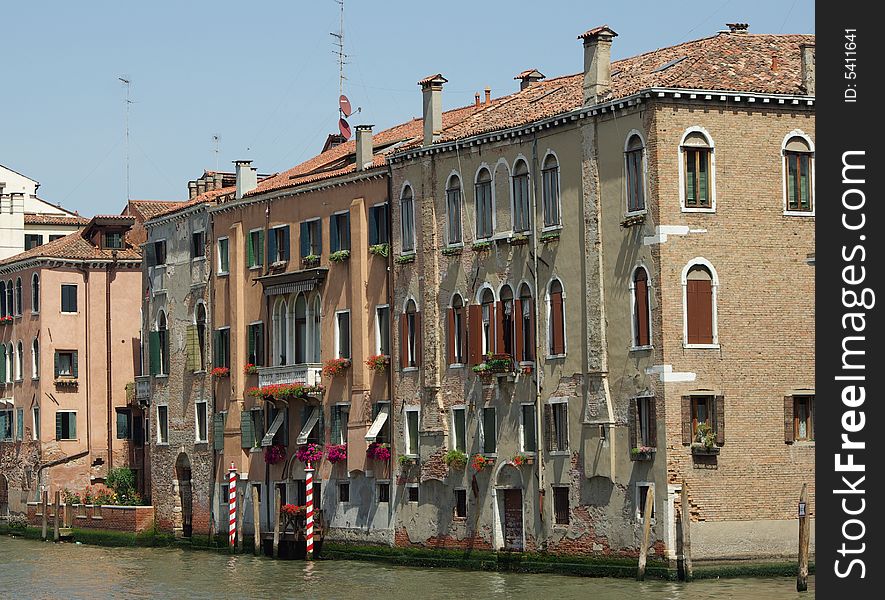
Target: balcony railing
143,389
306,374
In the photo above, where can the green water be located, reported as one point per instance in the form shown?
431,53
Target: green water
31,569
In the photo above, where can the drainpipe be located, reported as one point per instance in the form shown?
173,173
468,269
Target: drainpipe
539,412
214,520
85,270
390,313
107,299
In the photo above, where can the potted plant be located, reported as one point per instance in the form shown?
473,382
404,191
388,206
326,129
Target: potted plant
642,453
404,259
221,372
311,260
340,256
452,250
519,239
286,390
378,362
6,319
337,453
480,246
550,236
494,363
523,459
291,510
480,462
704,440
380,250
406,461
274,454
250,369
335,366
309,453
378,451
455,459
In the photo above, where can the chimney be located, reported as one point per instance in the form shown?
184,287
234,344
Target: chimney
807,51
219,181
597,63
191,190
247,178
210,182
364,147
738,27
201,186
488,95
527,78
431,88
476,99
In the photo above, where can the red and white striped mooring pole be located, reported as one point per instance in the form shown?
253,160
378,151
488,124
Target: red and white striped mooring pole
308,509
232,488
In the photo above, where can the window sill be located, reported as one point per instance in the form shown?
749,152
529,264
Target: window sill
555,356
559,453
196,258
69,313
222,274
159,376
255,267
701,346
200,442
162,443
635,213
803,443
457,366
409,369
548,228
641,348
798,213
698,210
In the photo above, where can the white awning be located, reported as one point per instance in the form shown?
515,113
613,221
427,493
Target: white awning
5,401
309,425
267,440
378,423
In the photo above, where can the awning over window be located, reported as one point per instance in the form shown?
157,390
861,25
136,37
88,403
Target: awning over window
378,423
267,440
7,402
290,282
309,425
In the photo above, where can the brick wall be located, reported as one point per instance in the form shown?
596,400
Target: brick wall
131,519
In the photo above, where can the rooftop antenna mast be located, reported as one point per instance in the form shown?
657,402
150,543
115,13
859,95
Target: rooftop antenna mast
339,44
216,140
126,82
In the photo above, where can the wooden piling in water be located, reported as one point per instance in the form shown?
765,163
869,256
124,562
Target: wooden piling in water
256,519
686,534
69,514
45,516
55,533
276,527
646,529
241,512
804,534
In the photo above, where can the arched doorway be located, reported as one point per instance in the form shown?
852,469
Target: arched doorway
4,495
185,493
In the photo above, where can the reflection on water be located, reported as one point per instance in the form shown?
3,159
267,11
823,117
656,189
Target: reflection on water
30,569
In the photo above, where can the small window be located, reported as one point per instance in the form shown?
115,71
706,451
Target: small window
382,319
255,248
201,426
383,435
384,492
338,431
522,214
160,252
635,174
412,493
556,338
701,412
35,293
459,429
645,422
411,334
6,425
339,232
162,424
221,356
560,505
18,296
200,318
803,418
33,240
697,164
163,344
488,332
641,498
526,318
460,504
114,240
65,364
19,424
124,424
35,359
378,225
641,311
55,236
278,244
344,492
35,417
484,205
198,244
311,239
342,333
223,257
453,210
507,321
256,344
407,216
699,306
457,338
489,430
65,425
557,426
411,432
528,429
550,182
798,159
19,361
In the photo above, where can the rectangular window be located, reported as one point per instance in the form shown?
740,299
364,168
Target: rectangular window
412,492
382,436
114,240
411,432
124,424
798,181
162,424
528,429
338,431
635,188
453,206
311,238
641,497
342,333
223,257
344,492
55,236
384,492
560,505
521,207
460,504
198,244
803,418
65,425
19,424
255,248
560,426
382,320
222,348
378,225
645,422
33,240
35,415
256,343
697,183
459,429
550,183
483,192
201,430
66,364
6,425
339,232
701,412
489,430
160,252
68,298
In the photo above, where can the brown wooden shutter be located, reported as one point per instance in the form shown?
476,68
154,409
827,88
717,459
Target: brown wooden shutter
653,422
556,317
699,309
642,312
517,341
450,337
633,422
549,428
475,340
720,419
403,341
686,421
499,327
789,430
418,335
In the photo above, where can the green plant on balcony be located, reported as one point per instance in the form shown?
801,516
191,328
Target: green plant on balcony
704,438
455,459
404,259
335,366
550,236
480,246
340,256
311,260
452,251
406,461
642,453
380,250
523,459
250,369
378,362
519,239
494,363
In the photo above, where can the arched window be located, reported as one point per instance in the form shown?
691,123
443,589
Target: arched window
300,323
163,339
280,331
200,319
699,282
526,328
641,312
3,309
35,359
410,332
35,293
550,184
315,335
556,322
457,332
18,296
19,361
484,205
522,213
10,299
487,302
453,210
407,217
4,364
635,173
798,174
697,171
506,322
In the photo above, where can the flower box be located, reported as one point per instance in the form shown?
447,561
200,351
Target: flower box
407,461
523,459
8,319
405,259
378,451
337,453
550,236
520,239
221,372
494,364
480,462
480,246
701,450
250,369
340,256
286,390
274,454
291,510
642,453
66,382
380,250
310,261
335,366
378,362
455,459
452,251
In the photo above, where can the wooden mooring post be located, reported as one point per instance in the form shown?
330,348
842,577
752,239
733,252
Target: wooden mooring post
69,514
45,515
686,534
256,519
276,526
804,531
646,530
56,516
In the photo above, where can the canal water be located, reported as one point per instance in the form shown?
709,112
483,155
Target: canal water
32,569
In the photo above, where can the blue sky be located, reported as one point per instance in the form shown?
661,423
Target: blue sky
263,77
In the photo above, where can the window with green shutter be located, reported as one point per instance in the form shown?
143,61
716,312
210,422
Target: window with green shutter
124,424
221,356
20,424
247,430
255,248
378,225
6,425
218,431
2,364
256,344
65,425
154,352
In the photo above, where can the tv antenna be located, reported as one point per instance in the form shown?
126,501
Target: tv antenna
216,140
126,82
339,52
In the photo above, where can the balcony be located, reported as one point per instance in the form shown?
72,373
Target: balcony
143,389
305,374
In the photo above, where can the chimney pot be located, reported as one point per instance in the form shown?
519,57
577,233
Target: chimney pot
597,63
247,178
738,27
807,63
431,89
191,190
364,147
488,95
527,78
476,99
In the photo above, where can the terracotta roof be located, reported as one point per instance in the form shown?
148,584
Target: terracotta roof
151,208
533,73
211,197
596,31
54,220
435,78
75,247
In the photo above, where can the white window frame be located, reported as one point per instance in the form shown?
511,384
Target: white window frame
482,431
455,439
409,349
345,419
522,427
799,134
378,308
456,335
19,361
560,400
455,517
255,267
680,156
338,334
487,341
379,420
406,435
413,486
65,410
219,272
449,242
545,228
197,438
643,175
637,502
549,324
700,261
338,491
333,221
160,441
272,231
632,285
